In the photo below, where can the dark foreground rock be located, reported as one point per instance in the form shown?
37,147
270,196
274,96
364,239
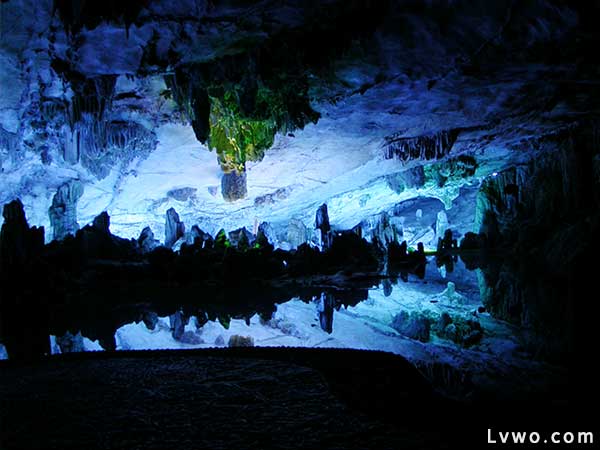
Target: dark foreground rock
250,398
242,398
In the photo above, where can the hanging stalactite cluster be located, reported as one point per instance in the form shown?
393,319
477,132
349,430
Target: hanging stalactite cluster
236,99
422,148
237,103
9,143
92,96
237,110
101,144
91,136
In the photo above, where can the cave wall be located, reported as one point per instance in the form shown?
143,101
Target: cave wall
544,218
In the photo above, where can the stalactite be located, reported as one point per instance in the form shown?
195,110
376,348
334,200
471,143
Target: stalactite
53,111
93,96
423,148
100,144
9,145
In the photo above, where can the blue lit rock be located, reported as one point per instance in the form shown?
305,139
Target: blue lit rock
297,233
146,241
69,343
174,228
441,224
198,237
266,234
63,212
150,319
413,325
234,186
323,227
177,323
182,194
3,352
401,181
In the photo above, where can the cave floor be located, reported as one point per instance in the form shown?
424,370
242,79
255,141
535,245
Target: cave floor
243,398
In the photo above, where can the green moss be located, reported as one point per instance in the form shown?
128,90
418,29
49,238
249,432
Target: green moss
245,116
235,138
237,106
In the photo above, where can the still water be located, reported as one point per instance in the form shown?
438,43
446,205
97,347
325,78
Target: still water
436,320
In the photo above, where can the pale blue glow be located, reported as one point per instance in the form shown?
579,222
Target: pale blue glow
3,352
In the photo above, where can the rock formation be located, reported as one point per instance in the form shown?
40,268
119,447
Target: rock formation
413,326
323,227
174,228
63,212
19,244
101,222
233,186
297,233
426,147
146,240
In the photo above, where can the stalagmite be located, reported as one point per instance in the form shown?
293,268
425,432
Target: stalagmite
63,212
174,228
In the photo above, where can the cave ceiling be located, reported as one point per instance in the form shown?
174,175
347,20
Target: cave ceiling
312,101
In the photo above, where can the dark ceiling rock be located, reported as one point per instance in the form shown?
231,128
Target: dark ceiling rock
77,14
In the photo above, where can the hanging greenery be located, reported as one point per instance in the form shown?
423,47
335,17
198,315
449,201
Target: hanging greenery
235,138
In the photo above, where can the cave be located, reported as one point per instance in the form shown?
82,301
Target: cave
298,224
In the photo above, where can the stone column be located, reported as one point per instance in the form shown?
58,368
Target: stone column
234,186
63,211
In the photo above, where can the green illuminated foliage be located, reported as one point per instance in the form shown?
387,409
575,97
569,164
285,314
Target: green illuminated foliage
237,107
235,138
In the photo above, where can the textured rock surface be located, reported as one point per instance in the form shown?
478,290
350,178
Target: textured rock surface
70,343
412,326
291,398
323,227
182,194
105,102
63,212
233,186
174,228
146,240
297,233
388,112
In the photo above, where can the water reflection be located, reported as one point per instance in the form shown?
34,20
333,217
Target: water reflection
435,318
325,307
325,295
